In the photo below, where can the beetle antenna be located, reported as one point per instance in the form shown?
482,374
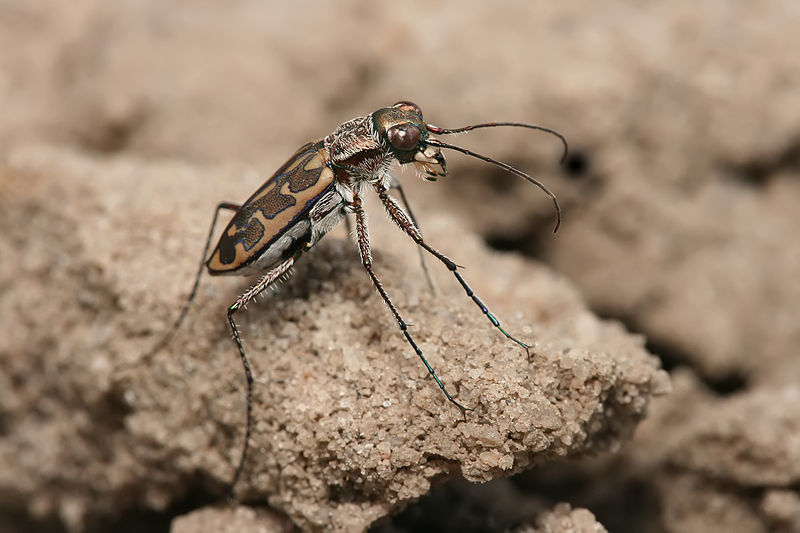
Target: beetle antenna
504,166
444,131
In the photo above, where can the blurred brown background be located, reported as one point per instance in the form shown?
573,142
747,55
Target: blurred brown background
679,195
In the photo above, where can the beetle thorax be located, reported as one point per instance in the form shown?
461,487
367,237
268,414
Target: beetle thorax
357,147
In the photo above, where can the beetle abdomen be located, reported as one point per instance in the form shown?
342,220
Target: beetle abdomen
278,205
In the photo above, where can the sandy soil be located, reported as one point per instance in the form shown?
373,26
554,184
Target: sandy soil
676,269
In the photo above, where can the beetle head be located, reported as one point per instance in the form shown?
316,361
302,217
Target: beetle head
402,128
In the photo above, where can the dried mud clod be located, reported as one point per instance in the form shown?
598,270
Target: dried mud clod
348,426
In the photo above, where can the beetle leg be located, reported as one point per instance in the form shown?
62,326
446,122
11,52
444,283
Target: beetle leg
395,184
348,226
406,223
192,293
362,237
266,280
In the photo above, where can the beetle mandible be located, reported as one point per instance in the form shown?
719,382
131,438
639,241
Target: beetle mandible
314,190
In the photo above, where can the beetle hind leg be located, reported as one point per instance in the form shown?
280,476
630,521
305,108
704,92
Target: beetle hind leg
187,304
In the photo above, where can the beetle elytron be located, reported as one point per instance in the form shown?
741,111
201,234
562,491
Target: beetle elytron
314,190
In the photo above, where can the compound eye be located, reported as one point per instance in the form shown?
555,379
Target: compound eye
405,105
404,137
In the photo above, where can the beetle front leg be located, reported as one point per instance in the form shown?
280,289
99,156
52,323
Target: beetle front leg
396,185
364,249
402,219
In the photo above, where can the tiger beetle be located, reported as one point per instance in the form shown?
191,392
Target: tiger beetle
314,190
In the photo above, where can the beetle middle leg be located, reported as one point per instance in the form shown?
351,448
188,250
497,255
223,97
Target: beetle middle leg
266,280
362,237
406,223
